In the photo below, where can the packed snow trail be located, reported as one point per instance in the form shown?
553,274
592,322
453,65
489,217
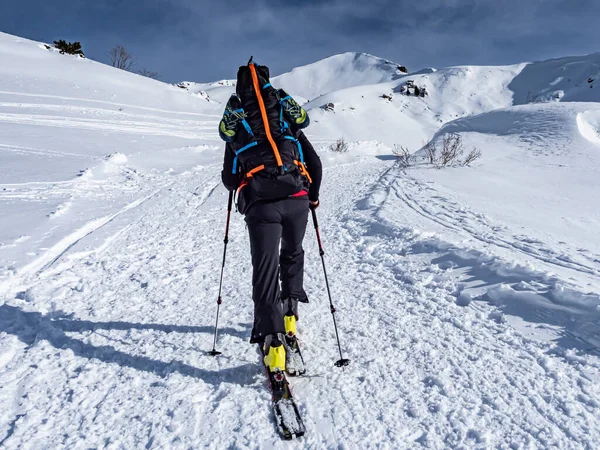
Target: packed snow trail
108,346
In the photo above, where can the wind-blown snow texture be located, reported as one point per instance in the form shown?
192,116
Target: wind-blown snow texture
468,298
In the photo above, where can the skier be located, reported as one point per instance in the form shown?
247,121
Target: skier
277,175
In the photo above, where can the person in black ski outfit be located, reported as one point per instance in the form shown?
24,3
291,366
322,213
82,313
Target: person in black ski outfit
275,208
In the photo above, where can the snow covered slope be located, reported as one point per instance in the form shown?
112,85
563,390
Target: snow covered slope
538,178
36,70
336,73
77,140
573,79
468,298
219,91
363,113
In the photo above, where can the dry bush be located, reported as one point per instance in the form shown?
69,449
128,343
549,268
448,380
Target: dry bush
121,58
403,155
431,152
339,146
473,155
148,74
451,152
452,149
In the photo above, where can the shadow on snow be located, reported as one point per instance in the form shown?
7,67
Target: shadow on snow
31,327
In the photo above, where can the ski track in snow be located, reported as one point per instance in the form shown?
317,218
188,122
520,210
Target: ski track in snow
87,101
39,151
110,345
455,217
53,255
108,125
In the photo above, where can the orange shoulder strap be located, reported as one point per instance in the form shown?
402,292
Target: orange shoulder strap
263,112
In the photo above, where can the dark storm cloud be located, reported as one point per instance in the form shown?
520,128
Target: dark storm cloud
206,40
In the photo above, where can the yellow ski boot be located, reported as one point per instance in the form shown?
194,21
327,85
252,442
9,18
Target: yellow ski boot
274,352
289,320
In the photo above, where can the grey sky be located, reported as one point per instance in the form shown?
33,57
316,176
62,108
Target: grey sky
201,40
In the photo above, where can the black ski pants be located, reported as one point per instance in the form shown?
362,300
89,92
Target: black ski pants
271,224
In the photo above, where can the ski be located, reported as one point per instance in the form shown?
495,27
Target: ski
294,364
287,415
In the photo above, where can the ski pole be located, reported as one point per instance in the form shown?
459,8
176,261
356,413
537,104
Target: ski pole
214,351
342,361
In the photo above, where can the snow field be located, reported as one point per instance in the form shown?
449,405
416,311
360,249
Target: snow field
425,370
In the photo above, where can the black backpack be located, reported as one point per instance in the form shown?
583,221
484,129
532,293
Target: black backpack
266,151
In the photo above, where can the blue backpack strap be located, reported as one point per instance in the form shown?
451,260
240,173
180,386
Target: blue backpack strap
291,138
243,149
247,127
282,123
245,123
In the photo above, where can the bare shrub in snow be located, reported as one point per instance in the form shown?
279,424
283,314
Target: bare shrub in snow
431,152
452,149
71,48
329,107
403,155
148,74
120,58
339,146
450,153
473,155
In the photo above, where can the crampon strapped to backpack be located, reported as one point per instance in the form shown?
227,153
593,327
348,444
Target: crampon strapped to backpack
257,122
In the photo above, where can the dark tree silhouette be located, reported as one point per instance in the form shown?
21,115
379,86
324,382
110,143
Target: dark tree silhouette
71,48
148,73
